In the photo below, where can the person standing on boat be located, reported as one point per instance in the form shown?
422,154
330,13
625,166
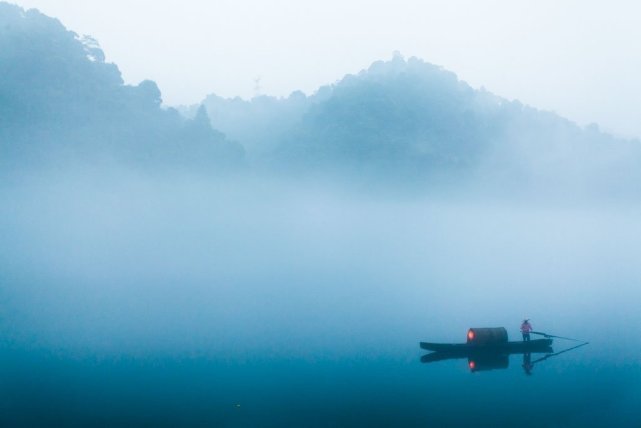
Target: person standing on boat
526,328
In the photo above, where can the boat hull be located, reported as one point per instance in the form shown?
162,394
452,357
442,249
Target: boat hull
537,345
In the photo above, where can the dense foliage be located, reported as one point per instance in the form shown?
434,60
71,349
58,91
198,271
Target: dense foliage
411,117
58,97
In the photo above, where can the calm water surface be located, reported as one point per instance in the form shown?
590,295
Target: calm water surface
137,303
389,388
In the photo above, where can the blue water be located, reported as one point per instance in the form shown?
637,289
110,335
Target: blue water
190,303
391,388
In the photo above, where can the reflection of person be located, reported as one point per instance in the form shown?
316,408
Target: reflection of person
526,328
527,363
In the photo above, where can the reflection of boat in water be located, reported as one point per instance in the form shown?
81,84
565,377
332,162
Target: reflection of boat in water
489,349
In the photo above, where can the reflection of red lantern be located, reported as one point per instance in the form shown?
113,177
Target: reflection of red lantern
472,365
470,335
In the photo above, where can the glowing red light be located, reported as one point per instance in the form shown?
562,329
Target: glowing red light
470,335
472,365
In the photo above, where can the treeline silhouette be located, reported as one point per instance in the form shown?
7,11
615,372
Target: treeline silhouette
408,117
399,118
60,99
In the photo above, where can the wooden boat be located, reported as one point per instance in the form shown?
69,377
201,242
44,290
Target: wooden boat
489,349
537,345
489,340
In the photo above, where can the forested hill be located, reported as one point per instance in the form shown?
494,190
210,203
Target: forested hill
409,116
59,99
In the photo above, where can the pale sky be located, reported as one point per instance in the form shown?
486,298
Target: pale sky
581,59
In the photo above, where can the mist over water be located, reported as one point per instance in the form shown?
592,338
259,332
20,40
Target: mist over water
276,261
259,301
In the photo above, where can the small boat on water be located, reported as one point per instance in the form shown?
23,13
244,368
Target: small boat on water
489,349
489,340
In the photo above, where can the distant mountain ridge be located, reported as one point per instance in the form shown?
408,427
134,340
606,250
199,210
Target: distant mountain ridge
412,113
60,99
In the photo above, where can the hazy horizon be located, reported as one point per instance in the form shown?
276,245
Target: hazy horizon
575,59
277,262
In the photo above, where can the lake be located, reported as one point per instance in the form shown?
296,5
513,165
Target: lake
189,302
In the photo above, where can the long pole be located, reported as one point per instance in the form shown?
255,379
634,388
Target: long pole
558,337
